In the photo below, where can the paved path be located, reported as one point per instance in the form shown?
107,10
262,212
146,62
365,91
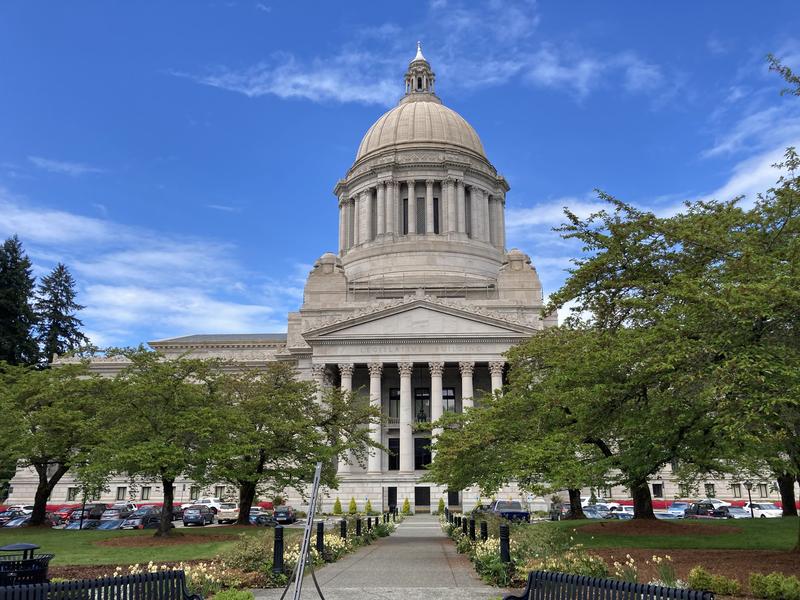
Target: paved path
416,562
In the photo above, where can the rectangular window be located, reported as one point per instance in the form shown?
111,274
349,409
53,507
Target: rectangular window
436,217
468,215
194,492
404,216
606,492
763,490
72,494
685,490
452,498
736,490
449,399
422,405
146,492
658,490
373,219
122,493
394,403
711,491
394,454
422,453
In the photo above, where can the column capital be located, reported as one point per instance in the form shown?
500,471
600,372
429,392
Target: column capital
466,368
496,367
390,182
449,180
375,369
318,370
405,368
346,369
436,368
430,181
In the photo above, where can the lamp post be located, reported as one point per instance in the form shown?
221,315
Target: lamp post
749,486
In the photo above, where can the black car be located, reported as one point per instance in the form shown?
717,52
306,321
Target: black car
147,517
8,515
701,510
284,514
198,514
91,512
506,509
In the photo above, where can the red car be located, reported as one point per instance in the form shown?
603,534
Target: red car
64,512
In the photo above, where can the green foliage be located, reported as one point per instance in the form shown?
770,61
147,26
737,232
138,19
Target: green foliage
252,553
17,317
368,507
337,506
406,510
775,586
441,507
234,595
58,328
383,529
352,508
700,579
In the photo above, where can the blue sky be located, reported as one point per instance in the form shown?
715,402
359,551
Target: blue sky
180,157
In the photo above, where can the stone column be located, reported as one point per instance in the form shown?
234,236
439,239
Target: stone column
318,373
496,369
452,209
475,213
357,220
406,419
485,218
501,201
380,209
342,229
462,206
466,369
429,206
437,368
346,373
375,372
366,216
412,206
492,201
391,207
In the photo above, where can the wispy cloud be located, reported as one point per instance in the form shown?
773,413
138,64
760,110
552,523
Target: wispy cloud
224,208
74,169
140,282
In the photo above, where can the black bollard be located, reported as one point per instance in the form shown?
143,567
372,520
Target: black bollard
277,551
358,527
464,525
472,529
484,531
394,516
320,537
343,529
369,523
446,514
505,549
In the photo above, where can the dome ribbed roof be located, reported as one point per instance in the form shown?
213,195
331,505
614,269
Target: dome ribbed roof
420,121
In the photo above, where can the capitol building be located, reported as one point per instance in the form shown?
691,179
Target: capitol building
415,309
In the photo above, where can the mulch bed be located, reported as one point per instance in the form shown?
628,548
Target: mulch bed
171,540
97,571
652,527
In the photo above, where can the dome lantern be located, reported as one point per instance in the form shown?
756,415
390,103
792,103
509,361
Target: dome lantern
419,77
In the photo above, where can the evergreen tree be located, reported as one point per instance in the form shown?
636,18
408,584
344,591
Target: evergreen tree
17,317
58,327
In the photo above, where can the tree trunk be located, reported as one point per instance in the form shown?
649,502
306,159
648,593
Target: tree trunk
575,508
247,495
165,524
786,487
43,491
642,501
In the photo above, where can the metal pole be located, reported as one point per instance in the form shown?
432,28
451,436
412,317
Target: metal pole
277,551
306,544
505,546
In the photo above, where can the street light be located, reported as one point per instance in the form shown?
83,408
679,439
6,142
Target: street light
749,486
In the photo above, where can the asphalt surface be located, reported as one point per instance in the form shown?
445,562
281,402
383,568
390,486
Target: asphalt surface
416,562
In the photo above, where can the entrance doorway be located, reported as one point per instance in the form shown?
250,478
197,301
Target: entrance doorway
422,499
391,498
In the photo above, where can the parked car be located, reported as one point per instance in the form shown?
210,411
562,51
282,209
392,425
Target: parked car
91,511
596,511
715,501
667,515
731,512
284,514
506,509
586,501
25,509
111,524
198,514
8,515
123,508
146,517
212,503
22,521
678,508
228,512
764,510
700,510
87,524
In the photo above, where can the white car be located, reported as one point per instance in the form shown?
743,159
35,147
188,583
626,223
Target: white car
715,501
608,505
213,503
228,512
28,509
764,510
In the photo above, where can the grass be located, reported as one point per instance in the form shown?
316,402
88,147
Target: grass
755,534
81,547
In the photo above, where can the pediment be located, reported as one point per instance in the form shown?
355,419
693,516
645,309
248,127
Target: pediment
421,319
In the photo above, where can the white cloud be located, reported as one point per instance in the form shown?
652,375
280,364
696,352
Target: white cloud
550,212
63,167
758,130
223,207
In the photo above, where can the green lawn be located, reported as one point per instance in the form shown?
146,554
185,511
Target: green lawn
81,547
756,534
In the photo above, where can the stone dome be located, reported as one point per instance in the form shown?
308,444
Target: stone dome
424,121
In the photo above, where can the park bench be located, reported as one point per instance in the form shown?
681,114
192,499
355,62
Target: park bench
544,585
24,569
163,585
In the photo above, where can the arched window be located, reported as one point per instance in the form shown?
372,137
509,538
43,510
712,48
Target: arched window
419,83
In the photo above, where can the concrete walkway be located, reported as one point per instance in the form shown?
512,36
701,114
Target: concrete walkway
417,562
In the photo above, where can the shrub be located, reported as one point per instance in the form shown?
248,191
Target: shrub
775,586
234,595
352,507
406,510
700,579
337,506
368,507
383,529
277,501
251,553
440,508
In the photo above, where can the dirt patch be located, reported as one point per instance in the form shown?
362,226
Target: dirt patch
655,527
148,541
737,564
97,571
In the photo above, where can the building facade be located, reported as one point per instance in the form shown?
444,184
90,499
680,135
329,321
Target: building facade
415,310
